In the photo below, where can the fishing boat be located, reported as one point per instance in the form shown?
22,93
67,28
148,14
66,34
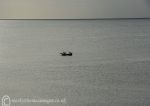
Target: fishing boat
66,54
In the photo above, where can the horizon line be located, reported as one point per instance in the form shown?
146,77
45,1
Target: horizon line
75,19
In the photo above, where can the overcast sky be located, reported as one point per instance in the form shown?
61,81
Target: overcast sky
72,9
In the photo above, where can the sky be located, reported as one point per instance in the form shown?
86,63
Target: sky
74,9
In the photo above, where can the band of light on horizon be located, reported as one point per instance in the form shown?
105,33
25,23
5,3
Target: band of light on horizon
74,9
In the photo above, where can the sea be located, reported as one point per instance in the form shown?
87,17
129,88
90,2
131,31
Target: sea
110,65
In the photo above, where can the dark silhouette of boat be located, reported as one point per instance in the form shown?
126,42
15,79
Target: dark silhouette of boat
66,54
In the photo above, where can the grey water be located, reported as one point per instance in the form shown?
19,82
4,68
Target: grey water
110,65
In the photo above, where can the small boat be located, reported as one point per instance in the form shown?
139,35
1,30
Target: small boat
66,54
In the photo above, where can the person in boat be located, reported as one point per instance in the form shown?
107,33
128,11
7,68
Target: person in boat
63,53
70,53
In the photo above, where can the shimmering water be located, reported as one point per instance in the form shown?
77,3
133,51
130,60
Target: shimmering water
109,67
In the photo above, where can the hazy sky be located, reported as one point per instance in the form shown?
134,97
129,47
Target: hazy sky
68,9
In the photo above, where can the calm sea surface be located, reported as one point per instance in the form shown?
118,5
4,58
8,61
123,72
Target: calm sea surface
110,65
